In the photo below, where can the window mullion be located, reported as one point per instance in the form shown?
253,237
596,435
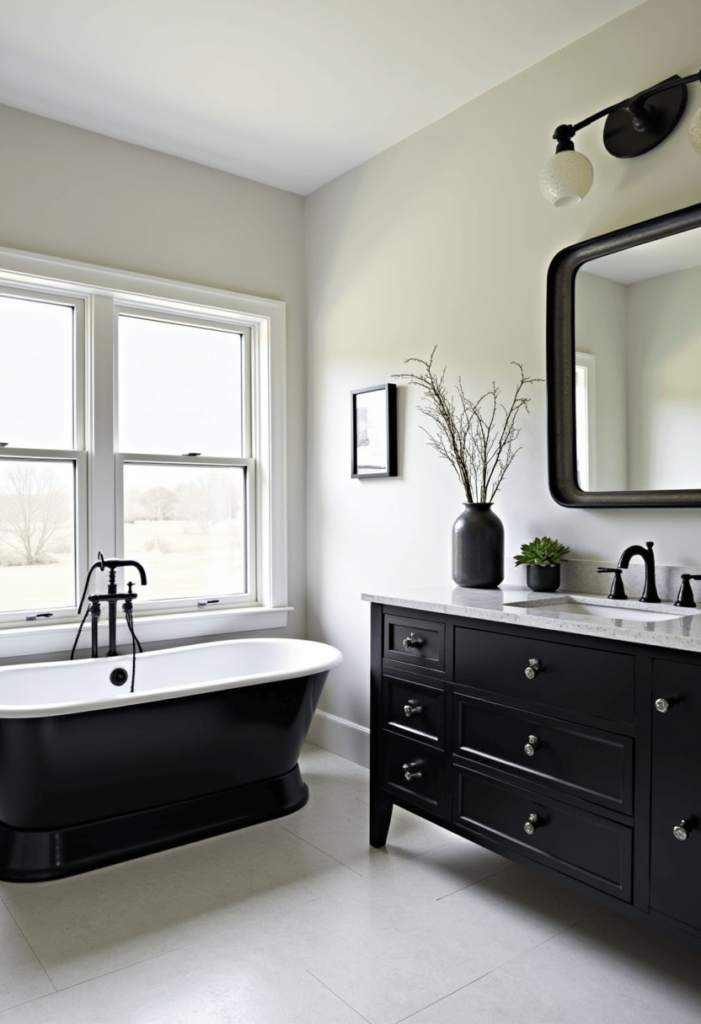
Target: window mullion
102,525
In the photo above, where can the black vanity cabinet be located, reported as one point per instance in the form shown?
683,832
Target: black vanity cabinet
548,748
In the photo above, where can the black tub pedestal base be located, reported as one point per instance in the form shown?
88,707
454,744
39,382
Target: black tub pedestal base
33,855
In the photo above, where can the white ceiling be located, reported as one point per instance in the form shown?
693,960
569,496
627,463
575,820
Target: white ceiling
291,93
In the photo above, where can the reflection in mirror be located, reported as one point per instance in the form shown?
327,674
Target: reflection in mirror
585,420
637,339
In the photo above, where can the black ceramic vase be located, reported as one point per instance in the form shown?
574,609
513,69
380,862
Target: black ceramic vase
543,577
478,547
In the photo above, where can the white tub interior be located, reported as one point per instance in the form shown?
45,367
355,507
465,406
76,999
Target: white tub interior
67,687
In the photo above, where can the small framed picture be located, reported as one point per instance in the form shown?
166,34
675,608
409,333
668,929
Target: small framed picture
374,431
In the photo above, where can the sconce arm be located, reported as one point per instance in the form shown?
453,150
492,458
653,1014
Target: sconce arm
669,83
636,104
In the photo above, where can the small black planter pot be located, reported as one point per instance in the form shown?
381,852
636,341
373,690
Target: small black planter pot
478,547
543,577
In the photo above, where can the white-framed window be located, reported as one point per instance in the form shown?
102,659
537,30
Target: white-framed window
142,418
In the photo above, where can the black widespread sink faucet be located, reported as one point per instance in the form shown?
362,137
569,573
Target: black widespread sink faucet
112,598
649,594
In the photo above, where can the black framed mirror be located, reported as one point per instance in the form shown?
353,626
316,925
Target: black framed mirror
624,367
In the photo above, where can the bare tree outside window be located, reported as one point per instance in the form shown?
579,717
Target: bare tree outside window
188,524
36,534
157,503
35,515
209,500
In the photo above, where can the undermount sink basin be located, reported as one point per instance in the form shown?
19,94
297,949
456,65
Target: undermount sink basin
587,607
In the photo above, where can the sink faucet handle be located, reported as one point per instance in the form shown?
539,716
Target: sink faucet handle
616,593
685,597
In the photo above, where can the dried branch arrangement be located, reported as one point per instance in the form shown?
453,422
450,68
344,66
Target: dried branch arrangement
476,437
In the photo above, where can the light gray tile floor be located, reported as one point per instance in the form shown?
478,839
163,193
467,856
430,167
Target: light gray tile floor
299,920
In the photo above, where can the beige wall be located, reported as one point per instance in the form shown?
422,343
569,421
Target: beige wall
444,239
77,195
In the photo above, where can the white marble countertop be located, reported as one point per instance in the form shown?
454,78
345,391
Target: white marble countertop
680,631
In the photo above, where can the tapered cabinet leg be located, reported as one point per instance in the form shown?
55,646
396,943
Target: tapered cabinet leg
380,818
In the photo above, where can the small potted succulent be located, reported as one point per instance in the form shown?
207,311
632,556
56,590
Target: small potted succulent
542,558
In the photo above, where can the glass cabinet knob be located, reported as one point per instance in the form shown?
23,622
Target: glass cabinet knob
409,772
662,705
533,666
531,745
412,641
412,708
681,831
529,827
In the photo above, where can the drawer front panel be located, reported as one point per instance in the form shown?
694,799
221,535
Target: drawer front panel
568,679
584,846
415,642
424,763
582,762
413,708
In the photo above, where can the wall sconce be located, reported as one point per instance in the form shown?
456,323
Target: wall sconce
632,127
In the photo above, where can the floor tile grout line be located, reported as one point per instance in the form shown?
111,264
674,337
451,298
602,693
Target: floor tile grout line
460,988
319,850
562,931
471,885
105,974
153,956
512,960
102,974
575,924
328,989
413,857
38,958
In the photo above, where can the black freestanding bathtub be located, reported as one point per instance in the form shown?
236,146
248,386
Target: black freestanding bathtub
208,742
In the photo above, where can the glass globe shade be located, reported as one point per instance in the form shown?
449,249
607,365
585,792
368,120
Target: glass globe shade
566,178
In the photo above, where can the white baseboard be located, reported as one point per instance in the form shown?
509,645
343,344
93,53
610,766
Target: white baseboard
341,737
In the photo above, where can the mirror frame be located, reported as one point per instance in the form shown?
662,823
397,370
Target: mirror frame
562,474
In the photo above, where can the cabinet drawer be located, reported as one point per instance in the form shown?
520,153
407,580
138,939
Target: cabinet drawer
599,684
416,642
413,708
582,762
582,845
402,756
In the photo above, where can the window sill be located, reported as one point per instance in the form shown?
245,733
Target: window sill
43,639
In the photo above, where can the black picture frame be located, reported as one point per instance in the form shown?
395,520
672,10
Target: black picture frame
562,471
374,432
